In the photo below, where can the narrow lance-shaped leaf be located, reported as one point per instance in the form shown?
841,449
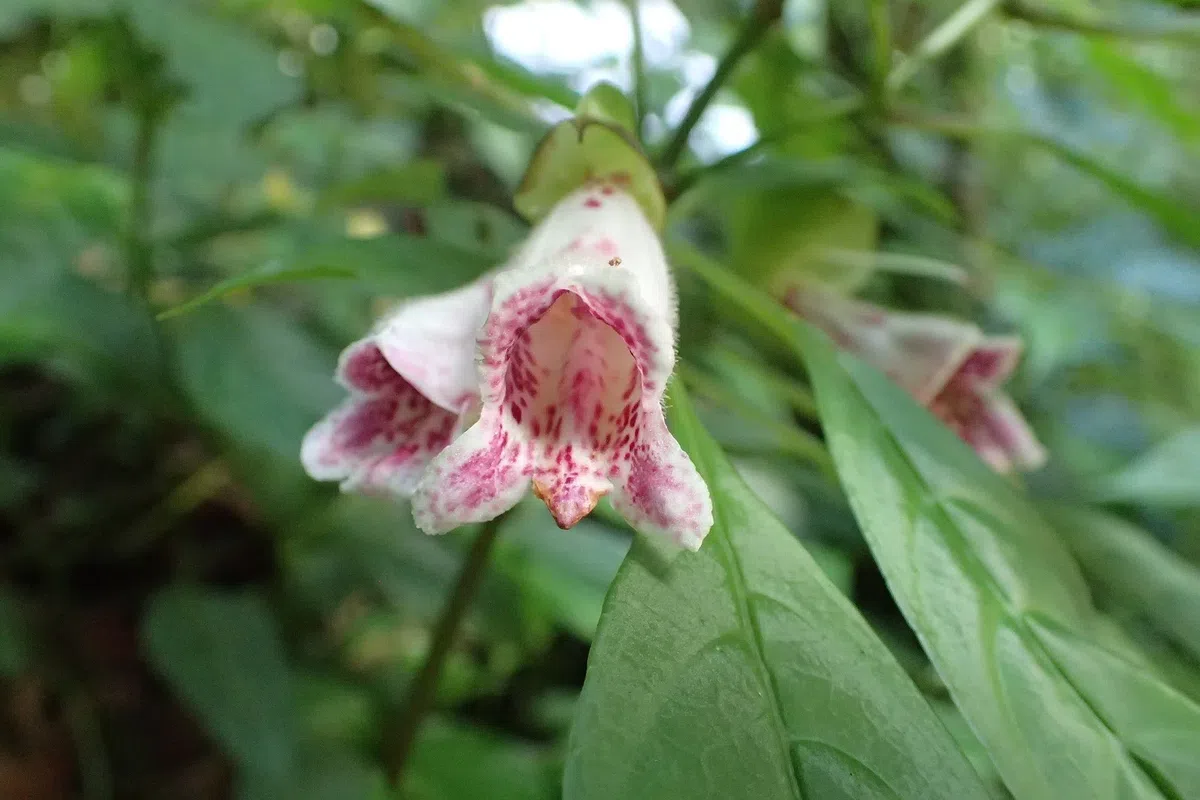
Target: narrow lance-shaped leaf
998,603
740,671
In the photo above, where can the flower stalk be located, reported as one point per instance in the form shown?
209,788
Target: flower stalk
423,694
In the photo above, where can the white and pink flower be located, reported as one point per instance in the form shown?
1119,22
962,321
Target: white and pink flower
574,359
948,365
560,361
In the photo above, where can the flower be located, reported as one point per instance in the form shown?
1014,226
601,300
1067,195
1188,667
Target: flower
574,358
973,406
948,365
411,383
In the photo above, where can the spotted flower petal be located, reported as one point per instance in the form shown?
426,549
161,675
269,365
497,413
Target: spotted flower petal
574,358
410,383
974,406
948,365
918,351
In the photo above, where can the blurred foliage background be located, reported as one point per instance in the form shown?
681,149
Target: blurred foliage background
184,614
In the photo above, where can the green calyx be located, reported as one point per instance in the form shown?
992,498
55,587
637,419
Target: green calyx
598,144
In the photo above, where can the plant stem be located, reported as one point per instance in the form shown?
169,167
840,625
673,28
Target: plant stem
139,254
941,39
639,66
423,692
764,15
881,48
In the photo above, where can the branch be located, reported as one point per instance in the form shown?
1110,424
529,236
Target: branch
941,39
766,13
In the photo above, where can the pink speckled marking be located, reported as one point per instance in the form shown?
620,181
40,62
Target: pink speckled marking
973,405
573,360
946,364
383,435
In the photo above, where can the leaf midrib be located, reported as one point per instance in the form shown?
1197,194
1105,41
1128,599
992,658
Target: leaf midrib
965,556
747,619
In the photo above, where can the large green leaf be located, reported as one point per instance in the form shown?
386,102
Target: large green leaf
986,585
1139,571
740,671
998,603
222,655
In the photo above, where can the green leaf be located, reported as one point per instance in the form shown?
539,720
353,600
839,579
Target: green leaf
1164,476
1157,725
454,762
581,150
418,183
271,274
567,575
969,562
255,376
395,264
997,602
1141,86
222,655
210,57
1139,571
740,671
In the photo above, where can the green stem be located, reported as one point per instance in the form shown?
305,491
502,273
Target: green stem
139,251
881,44
941,39
1187,29
639,66
423,693
766,13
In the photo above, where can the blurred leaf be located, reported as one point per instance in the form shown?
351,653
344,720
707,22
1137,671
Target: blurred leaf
740,671
454,762
780,237
981,578
335,712
211,57
1138,570
1142,86
1167,475
222,655
395,264
16,646
322,776
417,183
1175,215
55,314
568,574
266,276
254,375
